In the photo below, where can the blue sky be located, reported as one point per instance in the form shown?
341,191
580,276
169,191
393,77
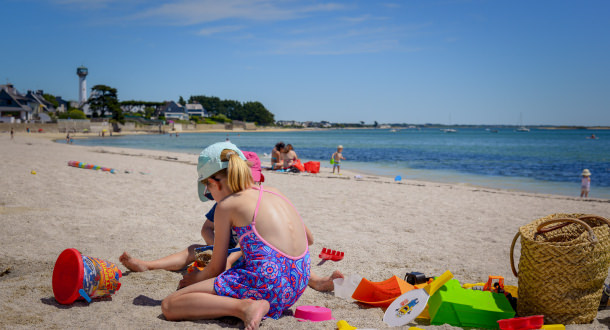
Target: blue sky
445,61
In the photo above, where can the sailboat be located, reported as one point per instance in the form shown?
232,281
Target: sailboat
449,130
521,128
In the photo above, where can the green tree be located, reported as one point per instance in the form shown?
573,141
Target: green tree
211,104
235,110
256,112
220,118
232,109
73,114
181,101
51,99
104,99
149,112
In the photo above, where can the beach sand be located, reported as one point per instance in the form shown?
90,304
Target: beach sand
385,228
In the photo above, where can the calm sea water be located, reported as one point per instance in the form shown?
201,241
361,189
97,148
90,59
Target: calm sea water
544,161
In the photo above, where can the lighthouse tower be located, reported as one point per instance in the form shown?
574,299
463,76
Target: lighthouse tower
82,72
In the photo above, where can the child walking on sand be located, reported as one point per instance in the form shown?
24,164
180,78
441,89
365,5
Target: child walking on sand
585,183
273,240
336,158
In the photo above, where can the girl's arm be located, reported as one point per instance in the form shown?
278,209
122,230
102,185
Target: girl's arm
222,237
207,232
218,264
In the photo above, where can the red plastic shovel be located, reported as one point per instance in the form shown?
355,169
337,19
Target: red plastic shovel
328,254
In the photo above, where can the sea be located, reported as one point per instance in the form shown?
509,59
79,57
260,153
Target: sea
547,161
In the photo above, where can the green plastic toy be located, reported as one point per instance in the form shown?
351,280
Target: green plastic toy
461,307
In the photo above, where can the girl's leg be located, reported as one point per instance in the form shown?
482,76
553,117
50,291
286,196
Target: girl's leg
173,262
199,301
323,284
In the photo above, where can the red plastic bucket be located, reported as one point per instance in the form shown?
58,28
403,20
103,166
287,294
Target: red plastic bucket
76,276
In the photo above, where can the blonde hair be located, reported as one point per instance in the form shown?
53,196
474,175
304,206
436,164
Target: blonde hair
239,176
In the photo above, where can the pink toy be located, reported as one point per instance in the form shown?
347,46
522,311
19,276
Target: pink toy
313,314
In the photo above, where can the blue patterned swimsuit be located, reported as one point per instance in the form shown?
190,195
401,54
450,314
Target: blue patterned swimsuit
266,273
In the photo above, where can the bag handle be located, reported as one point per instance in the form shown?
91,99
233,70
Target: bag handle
567,221
541,230
582,217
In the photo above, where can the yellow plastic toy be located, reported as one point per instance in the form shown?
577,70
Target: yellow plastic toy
554,327
343,325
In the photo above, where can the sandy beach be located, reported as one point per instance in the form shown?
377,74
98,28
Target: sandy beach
150,208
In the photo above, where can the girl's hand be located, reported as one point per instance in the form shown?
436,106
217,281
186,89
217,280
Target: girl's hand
188,279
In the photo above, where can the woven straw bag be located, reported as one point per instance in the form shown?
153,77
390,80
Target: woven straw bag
562,268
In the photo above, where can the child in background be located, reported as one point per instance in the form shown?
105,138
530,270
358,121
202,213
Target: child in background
336,157
585,183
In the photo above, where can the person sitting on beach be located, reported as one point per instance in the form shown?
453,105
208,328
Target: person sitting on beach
276,162
289,156
337,157
273,240
180,260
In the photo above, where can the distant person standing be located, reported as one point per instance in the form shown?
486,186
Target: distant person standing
68,138
336,158
585,183
12,133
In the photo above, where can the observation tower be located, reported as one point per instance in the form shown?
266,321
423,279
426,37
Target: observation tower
82,72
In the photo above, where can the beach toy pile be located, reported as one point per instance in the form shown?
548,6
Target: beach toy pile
441,300
76,276
74,163
562,269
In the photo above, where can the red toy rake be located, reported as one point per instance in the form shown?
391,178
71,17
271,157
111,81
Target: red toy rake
328,254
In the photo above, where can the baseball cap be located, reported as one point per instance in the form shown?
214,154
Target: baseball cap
209,163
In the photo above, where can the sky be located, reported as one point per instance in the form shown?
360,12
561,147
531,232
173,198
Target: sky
543,62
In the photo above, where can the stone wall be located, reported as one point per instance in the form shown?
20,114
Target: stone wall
84,125
22,127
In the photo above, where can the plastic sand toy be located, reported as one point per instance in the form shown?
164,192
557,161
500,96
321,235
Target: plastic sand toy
522,323
409,305
313,313
468,308
74,163
76,276
328,254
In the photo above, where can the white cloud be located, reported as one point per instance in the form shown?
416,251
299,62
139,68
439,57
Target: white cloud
189,12
363,18
88,4
219,29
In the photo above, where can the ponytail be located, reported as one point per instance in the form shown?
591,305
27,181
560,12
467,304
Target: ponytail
239,176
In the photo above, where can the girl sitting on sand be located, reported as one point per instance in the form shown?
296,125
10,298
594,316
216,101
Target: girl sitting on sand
272,237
